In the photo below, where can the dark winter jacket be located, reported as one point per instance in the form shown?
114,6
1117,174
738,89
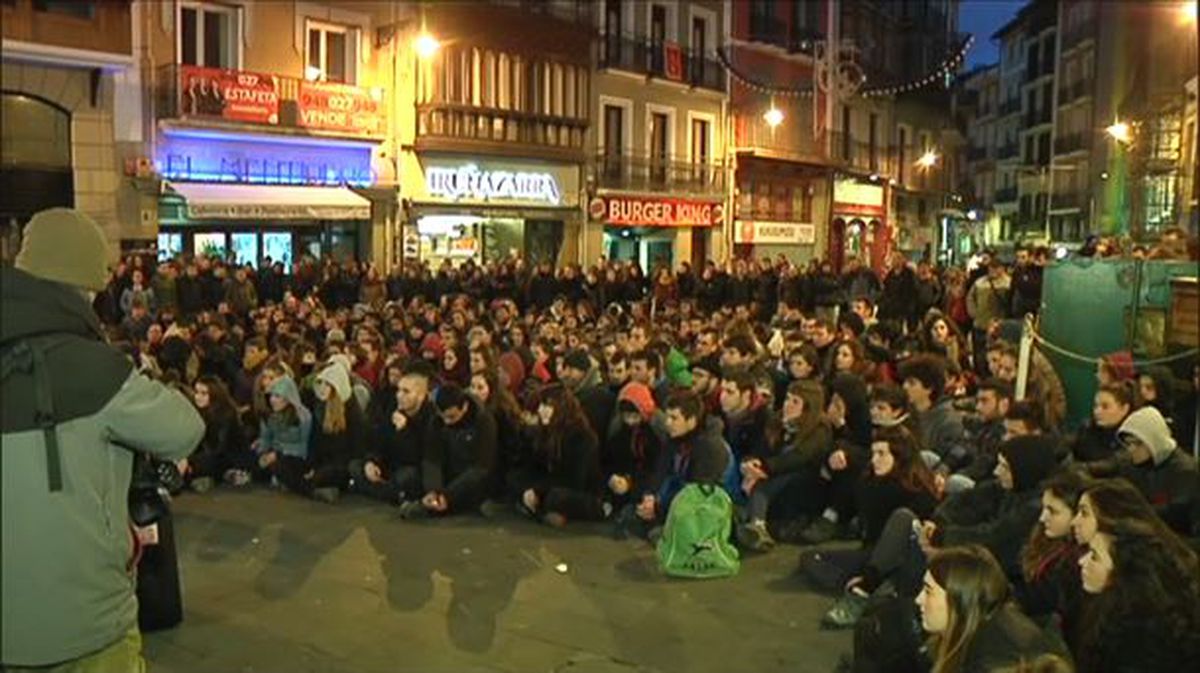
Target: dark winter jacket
896,300
460,459
879,497
337,450
394,449
700,457
576,467
746,433
807,443
1006,639
997,518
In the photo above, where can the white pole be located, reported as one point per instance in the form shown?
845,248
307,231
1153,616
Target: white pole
1023,358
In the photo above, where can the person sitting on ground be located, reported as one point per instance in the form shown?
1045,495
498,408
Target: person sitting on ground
706,382
339,430
1163,472
391,469
459,461
283,434
942,434
632,452
582,377
567,484
1097,440
802,440
985,431
745,417
223,454
1049,588
1143,587
974,625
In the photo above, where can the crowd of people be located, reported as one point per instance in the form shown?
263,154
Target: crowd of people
873,407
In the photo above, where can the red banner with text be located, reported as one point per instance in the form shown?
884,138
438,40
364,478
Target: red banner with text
640,211
338,107
228,94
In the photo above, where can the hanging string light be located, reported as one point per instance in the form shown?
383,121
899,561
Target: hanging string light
945,69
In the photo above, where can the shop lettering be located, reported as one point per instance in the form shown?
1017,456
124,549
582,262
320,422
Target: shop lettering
266,171
470,182
661,213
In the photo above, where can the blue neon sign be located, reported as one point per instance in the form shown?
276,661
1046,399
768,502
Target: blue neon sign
214,156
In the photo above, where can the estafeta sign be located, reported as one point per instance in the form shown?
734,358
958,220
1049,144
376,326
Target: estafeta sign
637,211
774,233
469,182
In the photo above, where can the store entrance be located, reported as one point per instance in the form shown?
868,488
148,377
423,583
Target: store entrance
650,248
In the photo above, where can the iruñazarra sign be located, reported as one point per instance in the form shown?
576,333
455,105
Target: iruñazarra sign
469,182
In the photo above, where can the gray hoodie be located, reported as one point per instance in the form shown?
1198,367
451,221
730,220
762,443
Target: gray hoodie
1148,426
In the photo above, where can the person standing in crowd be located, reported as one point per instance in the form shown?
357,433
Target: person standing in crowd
988,302
1026,285
74,413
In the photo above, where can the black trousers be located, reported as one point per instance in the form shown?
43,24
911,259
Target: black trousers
293,473
400,484
896,558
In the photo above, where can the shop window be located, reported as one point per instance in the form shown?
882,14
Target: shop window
209,244
332,53
170,245
277,246
245,248
209,35
80,9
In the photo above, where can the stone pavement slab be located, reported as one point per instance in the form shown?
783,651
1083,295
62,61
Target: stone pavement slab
273,582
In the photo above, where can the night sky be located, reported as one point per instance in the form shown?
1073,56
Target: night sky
982,18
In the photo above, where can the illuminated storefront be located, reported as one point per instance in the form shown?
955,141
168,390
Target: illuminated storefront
649,229
859,224
467,207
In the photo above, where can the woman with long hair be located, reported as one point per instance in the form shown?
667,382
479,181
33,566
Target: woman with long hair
1143,586
513,445
1097,440
568,483
223,453
896,478
1050,582
973,625
339,431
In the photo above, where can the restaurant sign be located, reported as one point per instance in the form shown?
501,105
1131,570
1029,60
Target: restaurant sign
468,181
774,233
638,211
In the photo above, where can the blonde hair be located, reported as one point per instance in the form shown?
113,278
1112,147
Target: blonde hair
334,421
975,588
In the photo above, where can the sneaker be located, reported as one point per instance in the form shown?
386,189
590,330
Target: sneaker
329,494
606,509
554,520
237,477
755,536
821,530
846,612
413,509
202,484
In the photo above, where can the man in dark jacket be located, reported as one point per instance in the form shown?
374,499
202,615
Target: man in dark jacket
391,470
582,377
899,291
460,459
985,431
1026,285
74,413
693,453
745,417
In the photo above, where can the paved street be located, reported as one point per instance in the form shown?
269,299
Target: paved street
276,583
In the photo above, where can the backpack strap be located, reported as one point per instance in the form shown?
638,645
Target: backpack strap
27,357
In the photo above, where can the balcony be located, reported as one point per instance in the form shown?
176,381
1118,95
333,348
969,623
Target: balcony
288,105
644,174
1007,151
665,61
1011,106
1006,195
1078,33
1073,142
1067,201
454,127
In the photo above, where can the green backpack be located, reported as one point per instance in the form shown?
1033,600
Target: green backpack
695,541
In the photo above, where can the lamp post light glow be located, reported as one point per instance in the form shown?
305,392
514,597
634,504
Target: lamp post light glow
1187,11
426,45
773,117
928,159
1120,132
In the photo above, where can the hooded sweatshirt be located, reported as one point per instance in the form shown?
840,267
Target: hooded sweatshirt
1169,480
998,518
277,432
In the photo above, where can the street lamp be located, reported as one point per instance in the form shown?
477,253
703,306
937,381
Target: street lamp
426,45
1187,11
928,159
773,117
1120,132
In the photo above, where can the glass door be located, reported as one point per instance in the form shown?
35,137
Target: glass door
278,247
210,244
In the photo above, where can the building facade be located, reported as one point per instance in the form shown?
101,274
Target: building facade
658,174
68,115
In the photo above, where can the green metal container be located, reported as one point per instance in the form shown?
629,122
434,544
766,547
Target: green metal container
1096,307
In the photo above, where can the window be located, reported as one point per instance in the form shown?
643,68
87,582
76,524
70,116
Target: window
660,145
762,16
873,141
902,151
612,17
81,9
614,130
700,141
331,53
209,36
34,133
658,38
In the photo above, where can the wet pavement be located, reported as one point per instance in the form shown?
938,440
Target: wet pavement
273,582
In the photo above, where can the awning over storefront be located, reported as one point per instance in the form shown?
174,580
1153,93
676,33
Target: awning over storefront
271,202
